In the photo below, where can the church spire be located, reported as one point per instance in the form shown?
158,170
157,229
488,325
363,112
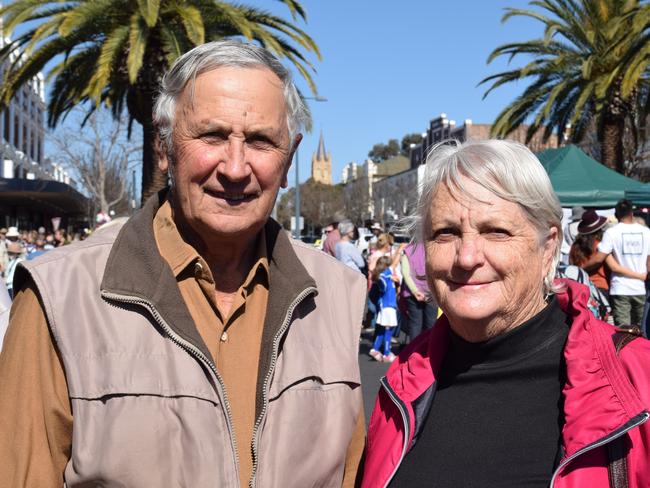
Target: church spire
321,153
321,164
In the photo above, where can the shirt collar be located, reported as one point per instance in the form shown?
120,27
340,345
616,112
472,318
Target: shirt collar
179,254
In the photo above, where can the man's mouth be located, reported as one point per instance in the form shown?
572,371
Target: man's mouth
232,198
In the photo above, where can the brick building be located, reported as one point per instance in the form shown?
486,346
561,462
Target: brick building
441,129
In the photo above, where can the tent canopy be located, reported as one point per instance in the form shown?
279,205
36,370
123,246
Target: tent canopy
580,180
640,195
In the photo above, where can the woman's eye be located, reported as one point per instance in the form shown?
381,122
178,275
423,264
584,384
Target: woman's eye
443,234
498,233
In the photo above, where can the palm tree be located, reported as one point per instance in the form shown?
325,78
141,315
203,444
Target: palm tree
589,67
114,52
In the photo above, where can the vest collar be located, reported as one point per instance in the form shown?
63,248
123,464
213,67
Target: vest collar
135,268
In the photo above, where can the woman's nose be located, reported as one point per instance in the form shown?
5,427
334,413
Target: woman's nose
470,252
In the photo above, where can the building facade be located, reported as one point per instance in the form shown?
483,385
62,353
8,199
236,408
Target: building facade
441,129
32,189
360,181
396,196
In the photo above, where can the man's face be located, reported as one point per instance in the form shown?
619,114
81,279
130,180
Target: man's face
231,152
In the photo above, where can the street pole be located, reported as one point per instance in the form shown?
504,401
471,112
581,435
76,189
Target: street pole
296,230
133,195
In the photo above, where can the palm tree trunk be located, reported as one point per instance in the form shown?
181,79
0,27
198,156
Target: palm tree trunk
153,180
141,106
612,143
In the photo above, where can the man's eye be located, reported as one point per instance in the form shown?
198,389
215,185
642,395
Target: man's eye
259,142
213,137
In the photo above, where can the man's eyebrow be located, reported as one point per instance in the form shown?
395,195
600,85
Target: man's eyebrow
212,124
263,131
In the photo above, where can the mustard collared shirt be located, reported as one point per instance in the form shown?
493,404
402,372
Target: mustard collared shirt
233,337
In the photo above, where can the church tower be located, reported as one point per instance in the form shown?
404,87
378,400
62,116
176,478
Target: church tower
321,164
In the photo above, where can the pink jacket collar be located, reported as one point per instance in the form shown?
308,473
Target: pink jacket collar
599,397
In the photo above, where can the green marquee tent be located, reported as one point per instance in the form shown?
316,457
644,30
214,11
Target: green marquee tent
640,196
580,180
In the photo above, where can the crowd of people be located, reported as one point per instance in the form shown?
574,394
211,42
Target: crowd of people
615,254
18,245
400,305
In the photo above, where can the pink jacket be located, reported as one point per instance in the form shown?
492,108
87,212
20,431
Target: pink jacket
606,396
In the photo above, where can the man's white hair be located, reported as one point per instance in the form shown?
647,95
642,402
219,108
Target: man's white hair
213,55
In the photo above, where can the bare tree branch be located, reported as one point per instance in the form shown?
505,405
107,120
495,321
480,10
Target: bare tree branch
100,155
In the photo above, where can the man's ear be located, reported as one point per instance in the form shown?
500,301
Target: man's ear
163,161
294,148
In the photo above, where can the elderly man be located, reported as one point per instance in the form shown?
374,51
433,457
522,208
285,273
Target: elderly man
196,345
345,250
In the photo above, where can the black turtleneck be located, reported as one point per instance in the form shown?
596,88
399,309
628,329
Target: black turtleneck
496,416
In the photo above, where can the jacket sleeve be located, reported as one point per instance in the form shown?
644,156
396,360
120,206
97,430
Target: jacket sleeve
36,420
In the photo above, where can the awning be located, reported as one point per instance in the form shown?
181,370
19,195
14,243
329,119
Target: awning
42,195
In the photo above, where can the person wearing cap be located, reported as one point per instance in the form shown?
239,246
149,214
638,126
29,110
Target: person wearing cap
12,234
629,244
376,230
15,252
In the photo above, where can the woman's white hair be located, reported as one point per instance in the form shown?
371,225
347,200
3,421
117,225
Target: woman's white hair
210,56
506,168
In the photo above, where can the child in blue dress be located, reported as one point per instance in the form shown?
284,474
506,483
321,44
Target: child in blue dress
387,313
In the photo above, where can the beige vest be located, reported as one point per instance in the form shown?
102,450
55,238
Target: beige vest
150,412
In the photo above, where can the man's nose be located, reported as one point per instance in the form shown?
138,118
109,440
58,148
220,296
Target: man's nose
233,164
469,254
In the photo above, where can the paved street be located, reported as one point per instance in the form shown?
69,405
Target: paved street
371,372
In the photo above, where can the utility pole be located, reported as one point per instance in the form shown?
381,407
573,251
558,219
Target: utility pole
296,230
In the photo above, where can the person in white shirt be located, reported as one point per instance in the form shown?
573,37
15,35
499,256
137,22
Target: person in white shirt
629,243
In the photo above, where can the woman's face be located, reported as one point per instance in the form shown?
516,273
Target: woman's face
485,261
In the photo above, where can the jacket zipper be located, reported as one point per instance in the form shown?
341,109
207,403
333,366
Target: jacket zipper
402,410
194,351
269,374
636,421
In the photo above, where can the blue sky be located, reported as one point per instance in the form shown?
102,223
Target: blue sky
390,67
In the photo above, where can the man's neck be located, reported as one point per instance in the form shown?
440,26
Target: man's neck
229,260
627,220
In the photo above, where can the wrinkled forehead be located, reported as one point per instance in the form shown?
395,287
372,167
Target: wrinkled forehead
256,82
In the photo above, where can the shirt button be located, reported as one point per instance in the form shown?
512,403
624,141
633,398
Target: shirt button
224,337
198,268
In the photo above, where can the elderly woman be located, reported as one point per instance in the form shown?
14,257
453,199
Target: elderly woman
517,384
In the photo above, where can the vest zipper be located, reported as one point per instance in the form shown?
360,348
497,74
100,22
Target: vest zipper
402,410
633,423
192,350
267,379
